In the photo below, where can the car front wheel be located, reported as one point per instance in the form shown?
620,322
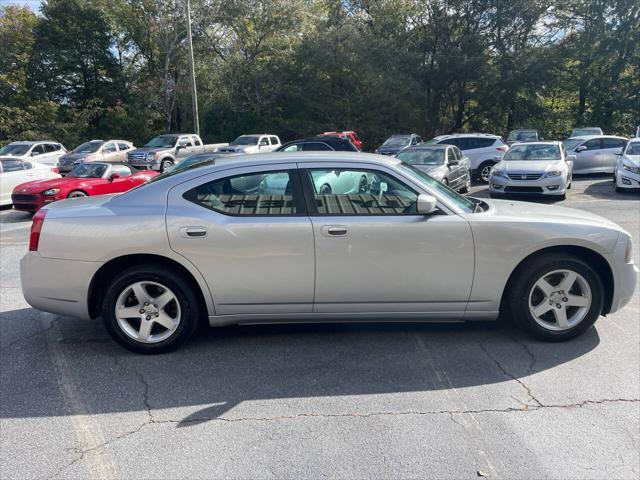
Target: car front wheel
165,164
150,310
556,297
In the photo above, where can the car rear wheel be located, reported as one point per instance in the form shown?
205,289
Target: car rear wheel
77,194
150,310
484,172
556,297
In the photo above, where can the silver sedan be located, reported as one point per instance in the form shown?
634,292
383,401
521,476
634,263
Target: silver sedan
256,239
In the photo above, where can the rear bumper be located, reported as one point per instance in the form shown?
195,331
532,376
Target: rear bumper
57,286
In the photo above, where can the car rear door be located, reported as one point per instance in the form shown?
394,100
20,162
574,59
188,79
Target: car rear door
611,147
109,152
248,232
375,254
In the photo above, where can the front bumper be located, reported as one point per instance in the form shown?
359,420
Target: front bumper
43,289
144,165
30,203
627,179
553,186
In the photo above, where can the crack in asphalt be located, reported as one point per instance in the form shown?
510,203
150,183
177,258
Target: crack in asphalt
30,336
506,372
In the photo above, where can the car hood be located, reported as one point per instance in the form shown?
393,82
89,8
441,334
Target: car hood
435,171
38,186
535,212
530,166
70,157
149,149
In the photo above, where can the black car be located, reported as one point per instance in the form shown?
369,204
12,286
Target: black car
315,144
395,143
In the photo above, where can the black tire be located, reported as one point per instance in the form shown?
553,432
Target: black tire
517,301
77,194
619,190
188,303
483,166
165,164
466,187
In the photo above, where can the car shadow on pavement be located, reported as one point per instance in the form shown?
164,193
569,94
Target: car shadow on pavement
606,189
222,368
14,216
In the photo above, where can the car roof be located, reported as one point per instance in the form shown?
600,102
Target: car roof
548,142
589,137
430,146
457,135
31,142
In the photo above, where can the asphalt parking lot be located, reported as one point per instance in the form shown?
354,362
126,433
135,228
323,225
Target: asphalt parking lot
321,401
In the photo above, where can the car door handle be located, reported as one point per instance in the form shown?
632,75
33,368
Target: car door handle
193,232
335,231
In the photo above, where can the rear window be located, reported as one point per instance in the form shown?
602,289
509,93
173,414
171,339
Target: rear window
612,143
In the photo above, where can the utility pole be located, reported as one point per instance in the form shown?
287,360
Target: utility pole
196,122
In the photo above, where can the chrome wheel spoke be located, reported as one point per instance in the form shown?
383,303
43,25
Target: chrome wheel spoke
576,301
163,299
166,321
129,312
541,309
561,317
567,283
140,293
545,286
145,329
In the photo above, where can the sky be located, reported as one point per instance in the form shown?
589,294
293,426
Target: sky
32,4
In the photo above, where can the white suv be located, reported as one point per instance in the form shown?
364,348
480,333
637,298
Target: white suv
44,152
484,150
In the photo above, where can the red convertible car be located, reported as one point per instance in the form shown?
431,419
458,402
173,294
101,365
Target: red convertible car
93,178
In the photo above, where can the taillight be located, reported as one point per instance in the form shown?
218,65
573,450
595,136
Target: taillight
55,170
36,228
502,148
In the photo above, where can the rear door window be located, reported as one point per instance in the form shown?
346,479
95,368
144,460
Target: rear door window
612,143
252,194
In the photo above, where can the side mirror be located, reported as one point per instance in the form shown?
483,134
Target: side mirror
114,176
426,204
581,148
571,158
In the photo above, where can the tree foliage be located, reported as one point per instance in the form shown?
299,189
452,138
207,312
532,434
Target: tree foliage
102,68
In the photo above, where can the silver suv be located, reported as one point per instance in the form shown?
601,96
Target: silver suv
44,151
484,150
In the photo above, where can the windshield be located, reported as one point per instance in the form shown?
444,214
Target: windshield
245,140
14,149
198,160
523,136
88,147
423,157
633,148
88,170
571,143
163,141
397,141
533,152
465,204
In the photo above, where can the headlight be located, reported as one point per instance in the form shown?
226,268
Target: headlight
51,191
151,156
80,160
628,255
498,173
630,168
554,173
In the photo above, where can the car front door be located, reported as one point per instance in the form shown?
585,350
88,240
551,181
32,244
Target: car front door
375,254
184,147
109,152
248,232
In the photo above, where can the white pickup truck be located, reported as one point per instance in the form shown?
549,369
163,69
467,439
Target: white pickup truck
254,143
165,150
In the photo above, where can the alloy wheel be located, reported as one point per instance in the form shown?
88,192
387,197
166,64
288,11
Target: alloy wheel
560,300
148,312
485,173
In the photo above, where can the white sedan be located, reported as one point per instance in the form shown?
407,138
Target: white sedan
627,172
536,168
14,171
